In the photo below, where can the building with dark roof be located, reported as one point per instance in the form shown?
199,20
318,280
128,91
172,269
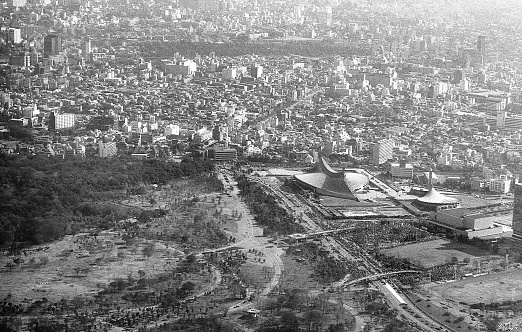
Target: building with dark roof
326,181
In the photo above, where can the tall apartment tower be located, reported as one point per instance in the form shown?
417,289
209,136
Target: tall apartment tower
517,209
87,49
382,151
52,45
61,121
481,44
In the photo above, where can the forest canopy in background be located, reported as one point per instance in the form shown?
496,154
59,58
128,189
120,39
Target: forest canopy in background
41,198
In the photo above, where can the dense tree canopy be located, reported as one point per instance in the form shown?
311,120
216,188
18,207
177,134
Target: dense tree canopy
43,198
268,213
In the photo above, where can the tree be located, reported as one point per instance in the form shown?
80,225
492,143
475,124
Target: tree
454,260
191,259
314,319
336,328
395,326
21,133
289,322
149,249
186,289
153,202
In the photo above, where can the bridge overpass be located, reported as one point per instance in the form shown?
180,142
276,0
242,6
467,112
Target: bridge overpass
375,276
300,236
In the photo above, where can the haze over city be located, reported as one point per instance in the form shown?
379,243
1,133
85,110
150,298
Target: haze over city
260,166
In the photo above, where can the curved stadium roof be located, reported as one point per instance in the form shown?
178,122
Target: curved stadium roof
329,182
433,197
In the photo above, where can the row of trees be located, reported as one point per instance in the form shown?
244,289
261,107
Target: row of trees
43,198
266,209
316,48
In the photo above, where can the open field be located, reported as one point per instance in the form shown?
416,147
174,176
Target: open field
495,287
436,252
81,265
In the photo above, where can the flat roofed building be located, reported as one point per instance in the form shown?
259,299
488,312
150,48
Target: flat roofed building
471,224
221,154
502,185
401,170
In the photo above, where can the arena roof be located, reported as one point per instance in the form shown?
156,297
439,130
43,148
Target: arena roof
435,198
329,182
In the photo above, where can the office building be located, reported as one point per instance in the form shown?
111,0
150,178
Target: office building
382,151
183,68
221,154
229,73
61,121
502,185
401,170
53,45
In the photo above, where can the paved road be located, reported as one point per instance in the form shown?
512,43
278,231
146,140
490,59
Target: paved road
414,315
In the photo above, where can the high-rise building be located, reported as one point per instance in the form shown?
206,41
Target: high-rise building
482,77
87,49
502,185
229,73
107,149
52,45
256,71
14,35
517,209
382,151
61,121
481,45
